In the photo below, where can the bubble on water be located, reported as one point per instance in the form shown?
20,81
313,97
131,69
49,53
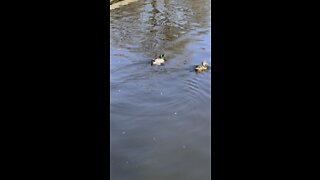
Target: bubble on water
184,146
127,162
123,132
175,113
161,93
119,90
154,139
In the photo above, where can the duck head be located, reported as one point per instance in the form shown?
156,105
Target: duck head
161,56
205,63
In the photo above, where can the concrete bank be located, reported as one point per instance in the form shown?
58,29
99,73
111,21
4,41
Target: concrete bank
118,3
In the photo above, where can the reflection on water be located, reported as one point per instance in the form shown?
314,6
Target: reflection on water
160,115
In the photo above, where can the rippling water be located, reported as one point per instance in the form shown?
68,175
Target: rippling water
160,115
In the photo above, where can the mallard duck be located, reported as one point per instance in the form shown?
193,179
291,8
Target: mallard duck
202,67
158,61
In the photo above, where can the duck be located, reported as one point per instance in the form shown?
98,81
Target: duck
202,67
158,61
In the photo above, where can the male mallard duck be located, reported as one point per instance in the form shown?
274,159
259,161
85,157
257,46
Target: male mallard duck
203,67
158,61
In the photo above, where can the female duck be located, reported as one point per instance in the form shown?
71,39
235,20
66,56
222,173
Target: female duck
158,61
202,67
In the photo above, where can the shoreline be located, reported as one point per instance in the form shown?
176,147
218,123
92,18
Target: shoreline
117,3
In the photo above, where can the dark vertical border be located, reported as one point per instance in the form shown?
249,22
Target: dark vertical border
61,100
217,135
255,93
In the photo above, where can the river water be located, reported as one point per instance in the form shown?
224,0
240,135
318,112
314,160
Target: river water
160,115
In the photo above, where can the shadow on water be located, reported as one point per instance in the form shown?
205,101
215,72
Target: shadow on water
160,115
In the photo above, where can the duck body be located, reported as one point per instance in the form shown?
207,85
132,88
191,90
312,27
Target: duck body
202,67
158,61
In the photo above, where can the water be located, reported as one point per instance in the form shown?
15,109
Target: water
160,115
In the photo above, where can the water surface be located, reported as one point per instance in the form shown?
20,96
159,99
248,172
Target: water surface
160,115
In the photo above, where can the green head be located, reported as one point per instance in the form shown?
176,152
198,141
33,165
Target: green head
161,56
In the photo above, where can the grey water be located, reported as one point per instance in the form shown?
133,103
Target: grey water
160,116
